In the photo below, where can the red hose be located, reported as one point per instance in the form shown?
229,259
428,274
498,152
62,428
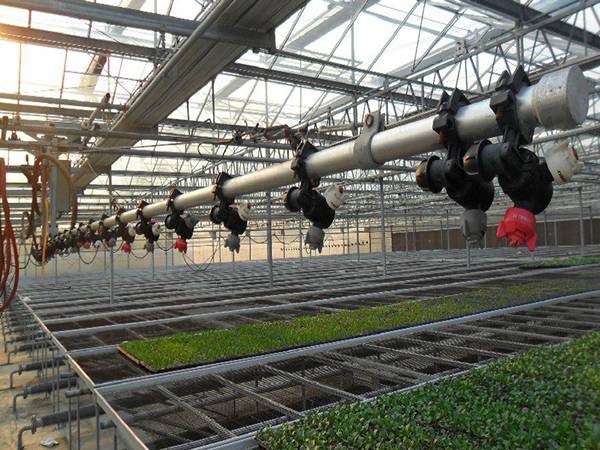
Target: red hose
10,256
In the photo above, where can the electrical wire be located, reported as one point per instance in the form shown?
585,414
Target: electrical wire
132,253
199,267
45,223
10,252
91,260
164,249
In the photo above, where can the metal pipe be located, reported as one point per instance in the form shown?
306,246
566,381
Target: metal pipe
581,230
558,100
406,231
591,225
54,419
383,249
300,238
37,365
414,233
269,239
112,253
545,229
357,239
448,229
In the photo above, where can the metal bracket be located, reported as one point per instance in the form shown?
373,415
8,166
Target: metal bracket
171,201
373,123
504,104
221,178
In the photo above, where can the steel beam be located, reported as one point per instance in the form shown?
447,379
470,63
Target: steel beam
522,13
132,18
295,79
51,38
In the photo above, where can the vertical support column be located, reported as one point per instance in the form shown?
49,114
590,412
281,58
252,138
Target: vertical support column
441,234
357,239
348,235
383,247
166,251
213,235
283,239
54,212
173,251
414,222
406,230
555,233
192,250
591,225
112,253
269,217
581,230
468,255
153,265
269,239
370,241
545,229
300,238
219,244
448,229
353,78
249,236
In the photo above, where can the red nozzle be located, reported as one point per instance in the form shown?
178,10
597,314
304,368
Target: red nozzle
126,247
87,244
518,226
181,245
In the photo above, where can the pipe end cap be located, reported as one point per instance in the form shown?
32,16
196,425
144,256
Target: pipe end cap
560,99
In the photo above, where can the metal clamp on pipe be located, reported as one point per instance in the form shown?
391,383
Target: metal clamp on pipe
470,191
89,236
233,217
522,175
372,124
149,228
182,222
125,231
107,235
316,207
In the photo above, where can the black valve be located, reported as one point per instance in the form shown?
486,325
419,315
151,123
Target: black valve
106,234
471,191
225,213
147,227
316,207
124,231
524,177
183,223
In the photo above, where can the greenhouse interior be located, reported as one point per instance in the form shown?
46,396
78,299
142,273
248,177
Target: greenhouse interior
299,224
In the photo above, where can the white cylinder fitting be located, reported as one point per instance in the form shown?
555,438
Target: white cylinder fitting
562,162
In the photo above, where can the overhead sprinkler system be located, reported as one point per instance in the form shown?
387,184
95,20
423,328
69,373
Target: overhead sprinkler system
558,101
232,216
318,208
471,165
181,222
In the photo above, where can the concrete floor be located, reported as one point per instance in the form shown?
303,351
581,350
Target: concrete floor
38,405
